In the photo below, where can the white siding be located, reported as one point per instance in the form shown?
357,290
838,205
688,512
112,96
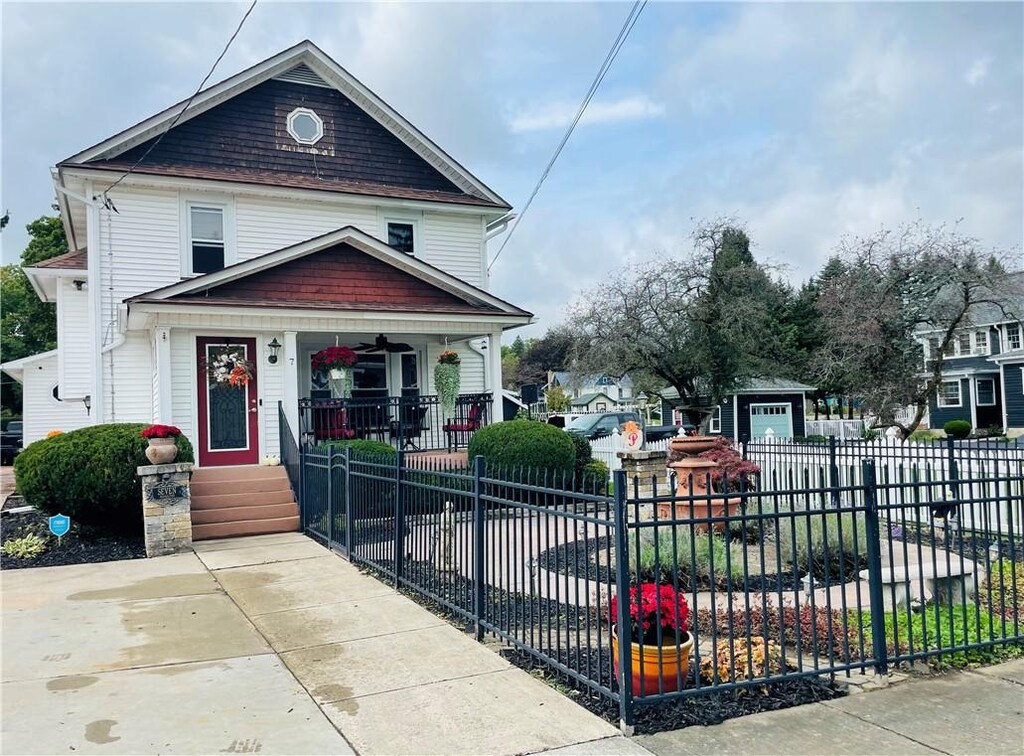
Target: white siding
73,337
271,389
264,225
41,412
471,377
128,370
183,382
454,243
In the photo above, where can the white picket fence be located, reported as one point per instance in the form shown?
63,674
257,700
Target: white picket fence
605,449
991,476
839,428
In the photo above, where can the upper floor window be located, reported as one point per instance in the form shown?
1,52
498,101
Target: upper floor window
206,239
981,342
402,236
305,126
949,394
715,426
1013,336
963,344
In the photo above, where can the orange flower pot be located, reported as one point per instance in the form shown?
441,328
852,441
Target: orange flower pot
663,666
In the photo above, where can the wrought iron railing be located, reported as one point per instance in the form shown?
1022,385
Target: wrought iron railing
410,423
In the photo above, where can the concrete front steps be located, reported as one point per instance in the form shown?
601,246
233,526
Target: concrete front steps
241,501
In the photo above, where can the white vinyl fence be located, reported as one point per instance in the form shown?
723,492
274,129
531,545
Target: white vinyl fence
843,429
605,448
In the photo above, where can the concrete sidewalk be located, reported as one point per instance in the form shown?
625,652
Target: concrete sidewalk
976,712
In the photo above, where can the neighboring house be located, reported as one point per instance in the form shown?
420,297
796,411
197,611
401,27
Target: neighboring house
983,369
288,209
762,407
618,391
592,402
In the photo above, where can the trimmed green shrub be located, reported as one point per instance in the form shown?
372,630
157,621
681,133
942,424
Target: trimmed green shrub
90,475
594,477
526,445
584,454
820,542
361,447
957,428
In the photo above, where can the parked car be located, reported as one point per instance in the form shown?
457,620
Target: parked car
10,442
601,424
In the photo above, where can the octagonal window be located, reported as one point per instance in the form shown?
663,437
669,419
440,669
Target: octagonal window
305,126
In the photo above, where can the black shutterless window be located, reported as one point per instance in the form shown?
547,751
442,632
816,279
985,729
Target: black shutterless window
206,238
401,237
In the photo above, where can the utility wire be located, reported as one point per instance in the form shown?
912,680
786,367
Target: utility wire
613,52
106,199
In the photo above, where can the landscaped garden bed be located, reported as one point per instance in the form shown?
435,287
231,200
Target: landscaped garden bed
74,548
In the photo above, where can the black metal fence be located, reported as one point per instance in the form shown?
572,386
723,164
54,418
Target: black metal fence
790,583
418,423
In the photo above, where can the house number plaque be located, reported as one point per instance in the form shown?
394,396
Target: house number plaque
166,490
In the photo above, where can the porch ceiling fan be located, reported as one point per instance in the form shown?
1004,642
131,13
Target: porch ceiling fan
381,344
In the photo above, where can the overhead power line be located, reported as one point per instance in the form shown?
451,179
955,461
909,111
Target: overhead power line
188,103
613,52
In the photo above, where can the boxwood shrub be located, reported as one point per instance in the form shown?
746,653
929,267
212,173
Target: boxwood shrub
527,445
90,475
362,448
957,428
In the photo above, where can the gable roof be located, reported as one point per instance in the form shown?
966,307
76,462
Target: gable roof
307,68
755,386
75,260
345,269
586,399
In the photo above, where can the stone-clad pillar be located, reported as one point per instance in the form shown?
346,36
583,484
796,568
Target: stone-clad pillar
166,508
648,468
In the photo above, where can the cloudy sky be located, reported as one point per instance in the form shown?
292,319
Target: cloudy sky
805,121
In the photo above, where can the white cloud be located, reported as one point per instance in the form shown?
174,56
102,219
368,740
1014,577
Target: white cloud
978,71
558,115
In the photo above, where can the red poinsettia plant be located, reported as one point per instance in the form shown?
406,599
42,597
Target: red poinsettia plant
334,358
161,431
656,612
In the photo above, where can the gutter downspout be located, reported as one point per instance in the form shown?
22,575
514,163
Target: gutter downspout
92,228
496,227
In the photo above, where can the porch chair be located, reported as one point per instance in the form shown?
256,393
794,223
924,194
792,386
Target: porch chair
463,427
408,430
331,423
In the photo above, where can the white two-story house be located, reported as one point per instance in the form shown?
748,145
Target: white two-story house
286,209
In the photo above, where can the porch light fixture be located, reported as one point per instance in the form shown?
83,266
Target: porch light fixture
87,401
274,346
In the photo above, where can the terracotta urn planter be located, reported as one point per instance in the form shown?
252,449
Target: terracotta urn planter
656,669
162,451
693,475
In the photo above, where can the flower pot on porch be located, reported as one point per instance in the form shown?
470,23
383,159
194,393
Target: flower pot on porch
162,451
656,669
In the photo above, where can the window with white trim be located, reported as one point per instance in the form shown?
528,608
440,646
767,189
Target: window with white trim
1012,336
305,126
949,394
981,342
963,344
207,251
986,392
715,426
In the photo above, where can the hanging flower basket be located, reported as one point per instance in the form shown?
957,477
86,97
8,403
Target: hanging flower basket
230,369
338,362
447,379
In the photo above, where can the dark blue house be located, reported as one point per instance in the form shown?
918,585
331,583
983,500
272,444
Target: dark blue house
983,370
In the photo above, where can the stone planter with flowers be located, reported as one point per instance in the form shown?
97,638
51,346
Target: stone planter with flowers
163,443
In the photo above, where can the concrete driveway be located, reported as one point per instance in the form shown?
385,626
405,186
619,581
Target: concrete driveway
147,656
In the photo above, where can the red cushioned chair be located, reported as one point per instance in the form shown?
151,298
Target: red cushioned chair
455,429
330,423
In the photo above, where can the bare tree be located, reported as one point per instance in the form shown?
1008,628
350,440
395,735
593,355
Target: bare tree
696,323
899,289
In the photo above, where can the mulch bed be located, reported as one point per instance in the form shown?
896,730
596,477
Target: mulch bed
74,548
705,709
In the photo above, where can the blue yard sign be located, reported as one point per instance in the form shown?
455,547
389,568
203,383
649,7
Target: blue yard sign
60,525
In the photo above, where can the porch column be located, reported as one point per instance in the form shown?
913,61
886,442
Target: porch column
290,390
494,375
162,356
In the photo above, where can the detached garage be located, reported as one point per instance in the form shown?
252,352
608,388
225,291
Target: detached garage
763,407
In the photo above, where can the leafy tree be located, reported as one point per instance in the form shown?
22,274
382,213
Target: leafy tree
518,347
552,352
557,399
27,324
894,286
702,323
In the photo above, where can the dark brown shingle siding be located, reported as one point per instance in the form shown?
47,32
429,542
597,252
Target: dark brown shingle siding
247,133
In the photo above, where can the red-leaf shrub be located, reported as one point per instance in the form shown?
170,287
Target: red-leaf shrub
736,471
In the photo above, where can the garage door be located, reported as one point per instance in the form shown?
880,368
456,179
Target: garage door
777,418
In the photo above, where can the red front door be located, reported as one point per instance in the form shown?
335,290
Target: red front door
228,414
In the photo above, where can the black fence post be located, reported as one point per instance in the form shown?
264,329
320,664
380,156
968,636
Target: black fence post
330,495
350,520
399,517
875,595
303,514
622,627
478,546
833,471
954,470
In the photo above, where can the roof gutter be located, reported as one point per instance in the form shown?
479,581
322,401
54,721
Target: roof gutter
498,226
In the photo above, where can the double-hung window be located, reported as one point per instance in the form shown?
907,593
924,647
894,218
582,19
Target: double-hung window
715,426
949,394
402,236
981,342
206,246
964,344
1013,336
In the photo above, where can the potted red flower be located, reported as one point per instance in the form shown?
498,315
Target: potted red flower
337,361
659,625
163,443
